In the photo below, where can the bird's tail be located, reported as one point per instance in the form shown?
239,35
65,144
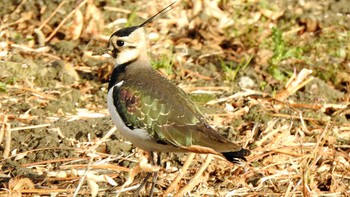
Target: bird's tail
237,156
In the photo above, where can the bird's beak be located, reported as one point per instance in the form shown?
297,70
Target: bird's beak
101,51
113,52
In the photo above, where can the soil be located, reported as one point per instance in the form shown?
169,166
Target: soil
62,91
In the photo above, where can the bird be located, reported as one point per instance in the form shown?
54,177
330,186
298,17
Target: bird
150,111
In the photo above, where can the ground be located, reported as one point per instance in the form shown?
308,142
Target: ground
273,76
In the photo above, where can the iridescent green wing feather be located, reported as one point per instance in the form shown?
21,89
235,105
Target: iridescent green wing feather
164,110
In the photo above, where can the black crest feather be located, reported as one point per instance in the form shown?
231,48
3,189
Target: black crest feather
128,30
125,31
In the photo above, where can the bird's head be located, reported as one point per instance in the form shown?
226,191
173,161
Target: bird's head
129,44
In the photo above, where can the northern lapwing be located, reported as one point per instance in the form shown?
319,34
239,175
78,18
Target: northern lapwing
152,112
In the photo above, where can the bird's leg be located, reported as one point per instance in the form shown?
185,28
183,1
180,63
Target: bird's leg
155,174
143,183
149,174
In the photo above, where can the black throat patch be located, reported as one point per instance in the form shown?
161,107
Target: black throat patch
116,73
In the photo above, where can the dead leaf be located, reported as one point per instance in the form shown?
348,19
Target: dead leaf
77,27
20,184
94,19
93,186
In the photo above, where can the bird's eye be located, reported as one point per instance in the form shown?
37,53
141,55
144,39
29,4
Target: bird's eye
120,43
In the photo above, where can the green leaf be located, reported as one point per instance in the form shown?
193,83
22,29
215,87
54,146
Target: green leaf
3,87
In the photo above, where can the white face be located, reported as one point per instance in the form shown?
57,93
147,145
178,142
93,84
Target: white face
128,48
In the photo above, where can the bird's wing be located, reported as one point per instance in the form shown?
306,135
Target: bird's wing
166,112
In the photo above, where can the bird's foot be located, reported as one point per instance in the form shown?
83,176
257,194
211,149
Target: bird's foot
142,166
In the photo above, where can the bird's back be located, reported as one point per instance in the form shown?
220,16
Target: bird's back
149,101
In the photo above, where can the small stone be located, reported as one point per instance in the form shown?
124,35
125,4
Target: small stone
246,83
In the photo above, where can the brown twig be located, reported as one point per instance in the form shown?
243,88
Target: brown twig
34,91
180,174
30,127
41,50
196,178
52,14
7,148
53,33
3,125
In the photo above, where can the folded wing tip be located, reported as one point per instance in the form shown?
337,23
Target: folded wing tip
237,156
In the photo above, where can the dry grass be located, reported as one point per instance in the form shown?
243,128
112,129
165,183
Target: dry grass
294,117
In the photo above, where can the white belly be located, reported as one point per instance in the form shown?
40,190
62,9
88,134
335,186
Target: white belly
139,137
